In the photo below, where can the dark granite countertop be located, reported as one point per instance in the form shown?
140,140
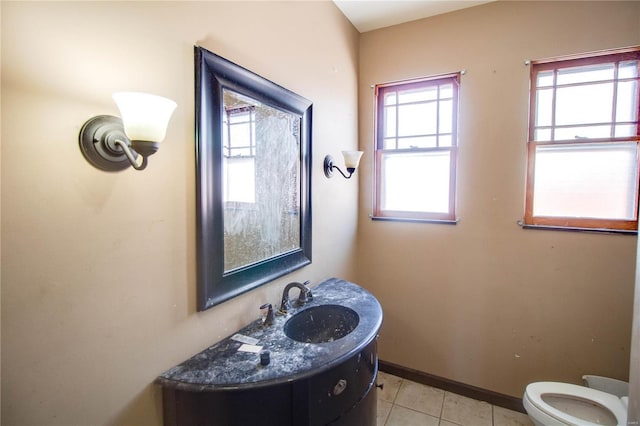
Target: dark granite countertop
223,367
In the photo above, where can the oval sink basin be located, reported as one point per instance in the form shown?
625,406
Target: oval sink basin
320,324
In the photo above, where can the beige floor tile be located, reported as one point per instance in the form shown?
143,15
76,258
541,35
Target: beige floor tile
384,408
466,411
420,397
391,386
504,417
401,416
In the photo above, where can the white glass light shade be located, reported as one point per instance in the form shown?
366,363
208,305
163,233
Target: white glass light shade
145,117
352,159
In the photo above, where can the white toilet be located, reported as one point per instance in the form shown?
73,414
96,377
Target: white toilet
603,402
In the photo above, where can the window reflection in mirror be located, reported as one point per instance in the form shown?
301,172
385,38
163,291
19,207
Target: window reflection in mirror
239,145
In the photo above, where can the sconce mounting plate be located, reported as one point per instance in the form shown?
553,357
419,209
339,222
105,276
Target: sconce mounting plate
328,166
98,143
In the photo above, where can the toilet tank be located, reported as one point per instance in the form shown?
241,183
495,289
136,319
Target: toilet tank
608,385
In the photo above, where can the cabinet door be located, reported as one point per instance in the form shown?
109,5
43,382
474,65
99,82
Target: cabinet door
335,392
263,406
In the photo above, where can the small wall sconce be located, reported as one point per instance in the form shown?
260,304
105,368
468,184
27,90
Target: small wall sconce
351,161
113,144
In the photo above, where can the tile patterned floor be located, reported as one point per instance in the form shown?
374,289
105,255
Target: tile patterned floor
406,403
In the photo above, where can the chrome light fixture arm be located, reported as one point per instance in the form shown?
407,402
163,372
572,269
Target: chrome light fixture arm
144,148
129,155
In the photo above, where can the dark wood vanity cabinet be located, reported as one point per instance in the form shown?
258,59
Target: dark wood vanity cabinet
342,395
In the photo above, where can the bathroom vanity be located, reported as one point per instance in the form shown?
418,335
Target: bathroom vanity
324,374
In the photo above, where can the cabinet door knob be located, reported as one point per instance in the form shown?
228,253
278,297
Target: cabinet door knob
339,387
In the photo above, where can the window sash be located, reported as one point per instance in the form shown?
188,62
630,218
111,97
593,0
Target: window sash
421,182
615,133
438,83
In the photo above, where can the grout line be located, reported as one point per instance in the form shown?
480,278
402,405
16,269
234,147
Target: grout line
493,421
393,402
398,391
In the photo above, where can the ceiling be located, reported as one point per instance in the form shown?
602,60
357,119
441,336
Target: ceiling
367,15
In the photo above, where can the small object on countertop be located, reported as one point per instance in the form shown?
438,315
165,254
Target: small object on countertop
265,358
244,339
249,348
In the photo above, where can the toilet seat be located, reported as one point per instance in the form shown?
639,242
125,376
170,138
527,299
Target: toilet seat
535,392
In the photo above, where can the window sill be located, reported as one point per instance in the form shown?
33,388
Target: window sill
408,219
574,229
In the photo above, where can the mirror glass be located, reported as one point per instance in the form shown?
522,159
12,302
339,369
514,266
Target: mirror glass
261,175
253,183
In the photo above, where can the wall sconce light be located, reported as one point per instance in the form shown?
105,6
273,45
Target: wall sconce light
351,161
113,144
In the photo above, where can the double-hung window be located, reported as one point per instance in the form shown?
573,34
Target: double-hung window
582,168
416,147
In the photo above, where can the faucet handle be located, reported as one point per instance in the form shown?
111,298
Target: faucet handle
308,296
268,320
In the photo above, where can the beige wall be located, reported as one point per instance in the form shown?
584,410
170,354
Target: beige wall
98,269
485,302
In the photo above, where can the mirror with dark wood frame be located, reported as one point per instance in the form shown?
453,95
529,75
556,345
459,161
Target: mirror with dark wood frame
253,183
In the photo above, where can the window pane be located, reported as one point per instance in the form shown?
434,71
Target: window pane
444,140
418,95
446,91
417,119
542,135
390,121
239,180
623,130
544,108
390,98
585,74
416,182
545,78
586,181
239,135
446,117
419,142
389,143
584,104
627,102
628,69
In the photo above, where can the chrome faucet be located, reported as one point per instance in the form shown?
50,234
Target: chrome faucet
304,297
